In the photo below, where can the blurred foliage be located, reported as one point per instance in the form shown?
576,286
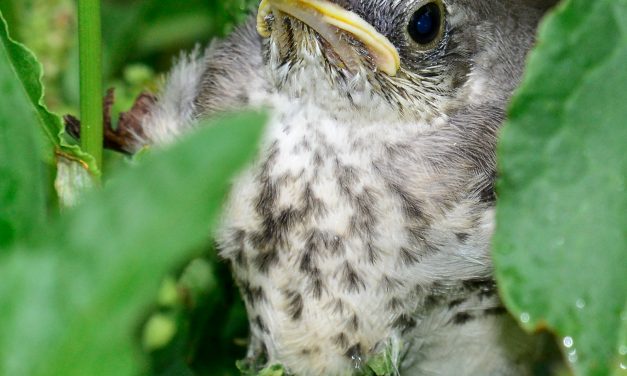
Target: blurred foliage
561,245
73,296
141,37
48,28
198,321
23,210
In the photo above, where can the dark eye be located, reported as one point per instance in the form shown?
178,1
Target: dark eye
426,23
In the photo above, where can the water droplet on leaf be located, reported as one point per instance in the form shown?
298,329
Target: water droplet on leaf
568,342
572,356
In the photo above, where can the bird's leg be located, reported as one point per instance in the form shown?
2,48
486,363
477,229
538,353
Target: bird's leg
256,358
123,138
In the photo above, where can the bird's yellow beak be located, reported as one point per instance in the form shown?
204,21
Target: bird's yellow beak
319,14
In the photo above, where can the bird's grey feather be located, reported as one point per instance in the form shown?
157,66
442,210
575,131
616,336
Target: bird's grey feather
364,225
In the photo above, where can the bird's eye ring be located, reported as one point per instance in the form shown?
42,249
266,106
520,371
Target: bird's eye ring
426,25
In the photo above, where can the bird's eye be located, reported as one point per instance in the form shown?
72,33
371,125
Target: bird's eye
425,25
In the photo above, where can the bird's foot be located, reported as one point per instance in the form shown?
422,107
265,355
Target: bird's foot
127,136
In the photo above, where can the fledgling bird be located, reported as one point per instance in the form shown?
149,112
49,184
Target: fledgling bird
364,224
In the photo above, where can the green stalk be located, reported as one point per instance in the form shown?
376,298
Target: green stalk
90,52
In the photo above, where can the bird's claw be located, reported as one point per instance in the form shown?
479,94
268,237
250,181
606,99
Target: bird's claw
127,136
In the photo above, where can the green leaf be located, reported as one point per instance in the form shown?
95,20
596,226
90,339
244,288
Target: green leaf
382,364
10,11
29,72
560,246
22,175
622,345
72,305
274,370
248,369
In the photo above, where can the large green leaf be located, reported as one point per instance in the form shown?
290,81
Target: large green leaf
560,246
22,175
30,72
72,305
10,13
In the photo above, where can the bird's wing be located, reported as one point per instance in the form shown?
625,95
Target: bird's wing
222,77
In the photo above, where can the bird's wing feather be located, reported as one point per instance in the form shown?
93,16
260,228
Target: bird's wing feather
220,78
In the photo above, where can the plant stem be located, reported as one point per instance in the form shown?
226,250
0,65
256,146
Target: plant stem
90,52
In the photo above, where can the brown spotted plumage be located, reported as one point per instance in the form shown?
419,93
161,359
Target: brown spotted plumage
363,227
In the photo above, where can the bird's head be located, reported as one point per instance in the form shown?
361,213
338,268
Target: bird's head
416,57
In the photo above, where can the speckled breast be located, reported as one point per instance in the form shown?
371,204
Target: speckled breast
334,252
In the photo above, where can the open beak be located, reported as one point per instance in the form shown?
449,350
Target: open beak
328,19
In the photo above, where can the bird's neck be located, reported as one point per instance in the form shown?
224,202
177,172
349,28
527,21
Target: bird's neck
307,82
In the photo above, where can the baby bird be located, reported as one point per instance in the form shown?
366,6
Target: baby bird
364,225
